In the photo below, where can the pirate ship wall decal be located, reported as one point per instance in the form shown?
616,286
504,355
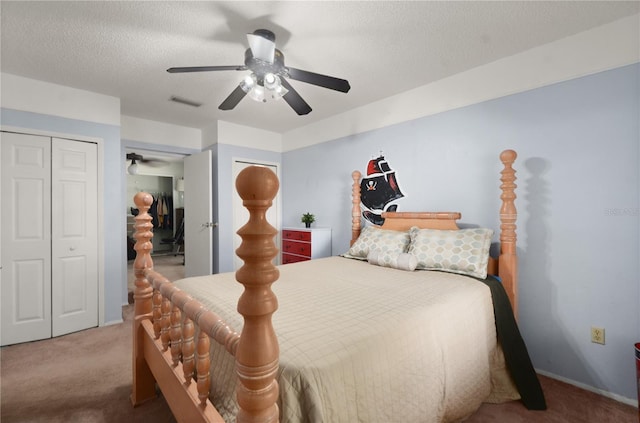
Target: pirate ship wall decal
379,190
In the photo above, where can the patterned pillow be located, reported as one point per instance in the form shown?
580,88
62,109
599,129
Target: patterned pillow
401,261
373,238
465,251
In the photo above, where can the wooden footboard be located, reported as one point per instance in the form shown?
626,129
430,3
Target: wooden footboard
166,320
506,264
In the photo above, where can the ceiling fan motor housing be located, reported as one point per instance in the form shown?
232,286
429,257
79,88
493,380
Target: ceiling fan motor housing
260,68
266,34
134,156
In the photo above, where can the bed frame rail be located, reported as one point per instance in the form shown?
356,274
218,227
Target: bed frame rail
165,351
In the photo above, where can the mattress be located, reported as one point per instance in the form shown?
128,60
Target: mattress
363,343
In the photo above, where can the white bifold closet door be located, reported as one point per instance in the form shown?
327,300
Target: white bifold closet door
49,249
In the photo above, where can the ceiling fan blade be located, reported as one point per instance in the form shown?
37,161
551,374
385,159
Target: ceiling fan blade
233,99
294,100
262,46
320,80
206,68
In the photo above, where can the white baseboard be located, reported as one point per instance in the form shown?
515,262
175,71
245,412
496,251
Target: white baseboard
619,398
113,322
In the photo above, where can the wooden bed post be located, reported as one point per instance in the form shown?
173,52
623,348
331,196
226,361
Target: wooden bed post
258,351
355,209
508,260
143,381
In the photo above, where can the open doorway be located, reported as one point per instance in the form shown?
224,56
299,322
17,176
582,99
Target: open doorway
161,174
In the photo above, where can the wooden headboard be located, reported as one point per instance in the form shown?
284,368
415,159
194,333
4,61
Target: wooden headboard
403,221
505,265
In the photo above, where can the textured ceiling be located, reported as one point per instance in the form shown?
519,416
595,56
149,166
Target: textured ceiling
123,49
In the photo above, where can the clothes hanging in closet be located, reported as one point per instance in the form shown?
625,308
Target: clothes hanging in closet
161,211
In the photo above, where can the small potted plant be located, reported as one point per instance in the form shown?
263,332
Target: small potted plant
308,219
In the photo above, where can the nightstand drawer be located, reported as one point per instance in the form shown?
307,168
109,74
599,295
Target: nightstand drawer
295,247
304,244
290,258
296,235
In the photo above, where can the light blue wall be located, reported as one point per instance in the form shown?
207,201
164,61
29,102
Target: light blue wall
225,155
114,229
578,202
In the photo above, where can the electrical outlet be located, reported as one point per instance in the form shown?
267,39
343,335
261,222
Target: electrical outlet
597,335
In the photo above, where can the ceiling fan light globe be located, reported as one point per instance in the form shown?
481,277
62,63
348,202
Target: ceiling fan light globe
273,86
279,92
271,81
133,168
257,94
248,83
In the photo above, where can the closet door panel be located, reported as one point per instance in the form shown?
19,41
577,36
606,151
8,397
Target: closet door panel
74,236
25,278
29,291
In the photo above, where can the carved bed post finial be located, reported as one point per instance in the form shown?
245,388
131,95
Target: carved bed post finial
143,290
257,352
143,387
355,210
508,261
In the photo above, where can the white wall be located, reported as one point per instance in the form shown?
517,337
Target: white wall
210,135
244,136
162,134
34,96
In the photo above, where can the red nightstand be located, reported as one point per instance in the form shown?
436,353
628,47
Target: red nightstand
300,244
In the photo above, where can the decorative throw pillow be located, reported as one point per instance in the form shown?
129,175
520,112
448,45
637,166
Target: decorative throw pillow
374,238
465,251
401,261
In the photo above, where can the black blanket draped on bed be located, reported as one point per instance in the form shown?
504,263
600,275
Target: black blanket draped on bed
515,351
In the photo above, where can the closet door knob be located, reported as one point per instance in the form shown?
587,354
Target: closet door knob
72,248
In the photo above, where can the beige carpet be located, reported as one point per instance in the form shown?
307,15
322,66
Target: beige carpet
566,404
81,377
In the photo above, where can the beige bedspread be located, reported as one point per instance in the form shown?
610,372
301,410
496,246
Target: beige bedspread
363,343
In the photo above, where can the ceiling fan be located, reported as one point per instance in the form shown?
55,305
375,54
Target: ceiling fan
267,80
135,158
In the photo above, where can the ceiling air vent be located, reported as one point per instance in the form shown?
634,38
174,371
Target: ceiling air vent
181,100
